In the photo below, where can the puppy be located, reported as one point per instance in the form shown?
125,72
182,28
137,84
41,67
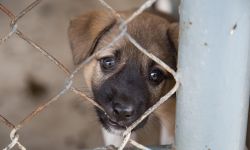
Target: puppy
121,79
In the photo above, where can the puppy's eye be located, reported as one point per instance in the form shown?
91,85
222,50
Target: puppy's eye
108,63
156,76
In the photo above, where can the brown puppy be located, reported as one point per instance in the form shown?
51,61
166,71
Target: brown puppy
121,79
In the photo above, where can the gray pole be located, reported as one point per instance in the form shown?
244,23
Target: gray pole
213,67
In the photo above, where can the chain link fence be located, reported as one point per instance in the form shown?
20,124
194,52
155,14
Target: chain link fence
68,86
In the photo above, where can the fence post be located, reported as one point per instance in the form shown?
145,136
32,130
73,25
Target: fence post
213,67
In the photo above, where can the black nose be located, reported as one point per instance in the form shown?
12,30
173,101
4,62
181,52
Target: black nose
122,111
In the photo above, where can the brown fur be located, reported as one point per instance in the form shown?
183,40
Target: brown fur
91,32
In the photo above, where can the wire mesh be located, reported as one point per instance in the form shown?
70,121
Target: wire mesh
68,86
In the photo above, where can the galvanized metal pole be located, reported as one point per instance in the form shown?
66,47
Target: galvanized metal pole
213,66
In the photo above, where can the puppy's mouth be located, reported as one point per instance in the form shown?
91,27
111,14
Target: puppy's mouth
110,123
114,123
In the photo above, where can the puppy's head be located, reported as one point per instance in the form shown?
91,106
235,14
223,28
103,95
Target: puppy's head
124,81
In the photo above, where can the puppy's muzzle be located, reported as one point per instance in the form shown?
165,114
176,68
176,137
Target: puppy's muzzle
123,111
124,97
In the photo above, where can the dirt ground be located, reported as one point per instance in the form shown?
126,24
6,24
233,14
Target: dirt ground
28,79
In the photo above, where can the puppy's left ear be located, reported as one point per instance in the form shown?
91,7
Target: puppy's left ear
85,31
173,34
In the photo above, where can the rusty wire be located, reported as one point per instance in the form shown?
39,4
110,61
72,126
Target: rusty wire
14,136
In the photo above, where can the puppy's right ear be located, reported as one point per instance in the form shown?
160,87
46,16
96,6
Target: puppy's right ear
173,34
85,31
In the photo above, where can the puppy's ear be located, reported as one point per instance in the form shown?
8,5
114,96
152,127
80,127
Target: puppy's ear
85,31
173,34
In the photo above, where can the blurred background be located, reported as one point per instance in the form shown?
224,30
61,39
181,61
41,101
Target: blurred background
28,79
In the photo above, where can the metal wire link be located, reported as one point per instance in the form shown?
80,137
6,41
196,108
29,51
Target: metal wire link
14,136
